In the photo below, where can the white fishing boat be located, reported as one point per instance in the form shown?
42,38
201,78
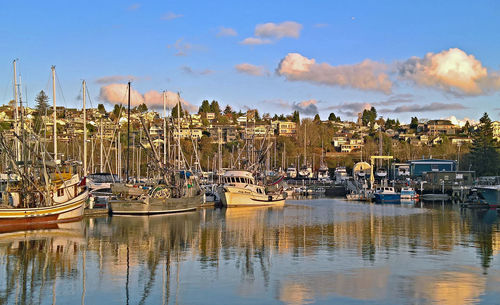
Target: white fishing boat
340,174
291,172
239,188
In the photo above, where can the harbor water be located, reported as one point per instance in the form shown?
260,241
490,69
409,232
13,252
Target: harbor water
321,251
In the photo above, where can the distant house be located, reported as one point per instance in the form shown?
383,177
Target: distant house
461,141
496,130
436,127
421,166
287,129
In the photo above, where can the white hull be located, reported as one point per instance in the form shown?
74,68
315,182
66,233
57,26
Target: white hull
233,197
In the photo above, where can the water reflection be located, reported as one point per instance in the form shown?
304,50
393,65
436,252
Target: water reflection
298,254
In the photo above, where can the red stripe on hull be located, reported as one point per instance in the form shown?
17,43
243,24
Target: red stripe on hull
33,223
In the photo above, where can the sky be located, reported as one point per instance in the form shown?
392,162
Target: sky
430,59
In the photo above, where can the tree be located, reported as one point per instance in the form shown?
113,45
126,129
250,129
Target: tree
466,129
101,109
332,117
317,118
414,123
116,110
228,110
369,116
296,117
142,108
174,111
205,107
42,103
215,108
485,159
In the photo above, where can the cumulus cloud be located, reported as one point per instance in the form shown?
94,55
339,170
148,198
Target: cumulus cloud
226,32
425,108
171,16
251,69
367,75
460,122
115,79
452,70
270,32
117,94
308,107
255,41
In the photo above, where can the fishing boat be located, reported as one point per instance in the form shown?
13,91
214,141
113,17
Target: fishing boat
239,188
174,191
489,189
291,172
381,173
340,174
386,194
46,191
305,171
408,193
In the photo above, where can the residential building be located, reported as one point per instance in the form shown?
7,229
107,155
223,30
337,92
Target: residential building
435,127
496,130
287,129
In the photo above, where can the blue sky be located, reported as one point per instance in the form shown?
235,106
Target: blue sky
362,52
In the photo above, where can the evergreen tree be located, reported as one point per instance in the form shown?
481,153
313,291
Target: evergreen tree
205,107
101,109
317,118
42,103
485,159
369,116
142,108
215,108
466,128
174,111
228,110
116,110
414,123
332,117
296,117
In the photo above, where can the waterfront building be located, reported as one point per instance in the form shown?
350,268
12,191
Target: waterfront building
287,129
421,166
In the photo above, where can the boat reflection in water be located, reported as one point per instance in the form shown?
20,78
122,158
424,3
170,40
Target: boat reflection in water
308,251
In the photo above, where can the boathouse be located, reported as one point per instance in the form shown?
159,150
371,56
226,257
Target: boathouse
421,166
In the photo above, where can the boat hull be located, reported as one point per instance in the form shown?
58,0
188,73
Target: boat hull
232,197
387,198
490,194
71,210
155,206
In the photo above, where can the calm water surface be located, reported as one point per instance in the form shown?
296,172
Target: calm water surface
311,251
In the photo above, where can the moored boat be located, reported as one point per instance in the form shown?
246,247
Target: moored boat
387,195
239,188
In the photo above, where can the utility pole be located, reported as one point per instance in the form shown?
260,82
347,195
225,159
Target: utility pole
16,115
128,132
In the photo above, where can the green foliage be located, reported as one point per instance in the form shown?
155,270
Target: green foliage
296,117
317,118
484,157
215,108
116,110
333,118
414,123
390,124
174,111
205,107
142,108
228,110
369,116
42,103
101,109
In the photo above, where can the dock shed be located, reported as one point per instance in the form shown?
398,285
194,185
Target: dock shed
421,166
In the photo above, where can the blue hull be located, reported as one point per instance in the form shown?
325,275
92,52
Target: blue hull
387,198
490,195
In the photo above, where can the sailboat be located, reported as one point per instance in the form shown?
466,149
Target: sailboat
177,191
47,191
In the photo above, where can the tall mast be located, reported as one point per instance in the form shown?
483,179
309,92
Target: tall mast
128,131
101,168
16,114
179,129
305,135
164,129
54,134
84,132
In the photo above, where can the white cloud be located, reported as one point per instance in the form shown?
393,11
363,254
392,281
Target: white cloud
278,31
182,48
171,16
255,41
367,75
461,122
271,32
189,70
308,107
251,69
226,32
452,70
117,94
115,79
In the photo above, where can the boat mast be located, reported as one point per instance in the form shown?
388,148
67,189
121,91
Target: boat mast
164,129
16,114
179,130
53,68
84,132
101,169
128,130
